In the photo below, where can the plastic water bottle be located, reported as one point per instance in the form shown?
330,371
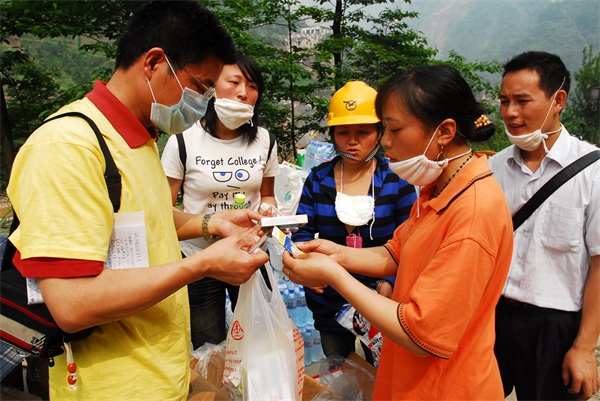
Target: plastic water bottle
282,290
300,306
239,201
305,310
291,305
284,295
317,351
308,345
307,358
310,321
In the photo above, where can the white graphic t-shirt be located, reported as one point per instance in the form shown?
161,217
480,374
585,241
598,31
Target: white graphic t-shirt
216,170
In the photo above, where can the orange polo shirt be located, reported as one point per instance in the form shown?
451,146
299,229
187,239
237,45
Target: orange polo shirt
453,260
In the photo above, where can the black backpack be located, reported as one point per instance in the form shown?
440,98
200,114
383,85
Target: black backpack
31,327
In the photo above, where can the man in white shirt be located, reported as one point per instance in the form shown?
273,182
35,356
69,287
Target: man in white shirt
548,318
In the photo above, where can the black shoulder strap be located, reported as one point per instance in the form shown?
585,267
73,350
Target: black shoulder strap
111,175
182,156
9,248
271,145
182,151
548,188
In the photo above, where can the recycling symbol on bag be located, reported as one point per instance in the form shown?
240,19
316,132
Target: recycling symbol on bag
237,333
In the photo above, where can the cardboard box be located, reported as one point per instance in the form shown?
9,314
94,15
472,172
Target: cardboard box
354,357
203,390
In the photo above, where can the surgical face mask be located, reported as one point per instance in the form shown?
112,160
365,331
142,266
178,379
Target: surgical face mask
350,156
419,170
181,116
530,142
355,210
233,114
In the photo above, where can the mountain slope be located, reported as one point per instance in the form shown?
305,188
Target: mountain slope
485,30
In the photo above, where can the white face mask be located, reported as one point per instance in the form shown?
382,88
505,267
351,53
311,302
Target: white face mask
181,116
355,210
530,142
350,156
419,170
233,114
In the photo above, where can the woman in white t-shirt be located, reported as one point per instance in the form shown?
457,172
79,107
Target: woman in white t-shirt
226,153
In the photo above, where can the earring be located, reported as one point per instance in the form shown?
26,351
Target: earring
437,159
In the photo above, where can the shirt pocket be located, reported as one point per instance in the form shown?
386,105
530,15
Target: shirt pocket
562,228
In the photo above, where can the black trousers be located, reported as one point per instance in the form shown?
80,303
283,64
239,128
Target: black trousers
342,343
531,343
207,308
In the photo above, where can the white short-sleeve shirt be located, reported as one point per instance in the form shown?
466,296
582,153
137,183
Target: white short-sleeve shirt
216,170
553,247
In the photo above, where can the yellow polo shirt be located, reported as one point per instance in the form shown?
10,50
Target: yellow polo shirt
59,193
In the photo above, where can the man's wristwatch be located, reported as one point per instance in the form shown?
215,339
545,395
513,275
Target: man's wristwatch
205,234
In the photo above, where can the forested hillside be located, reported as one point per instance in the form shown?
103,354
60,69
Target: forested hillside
486,30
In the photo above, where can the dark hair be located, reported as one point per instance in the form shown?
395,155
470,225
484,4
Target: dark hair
434,93
186,30
549,67
251,72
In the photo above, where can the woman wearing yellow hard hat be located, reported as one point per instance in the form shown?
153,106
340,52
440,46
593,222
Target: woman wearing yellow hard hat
354,200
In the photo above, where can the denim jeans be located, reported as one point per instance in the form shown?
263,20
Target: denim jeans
207,310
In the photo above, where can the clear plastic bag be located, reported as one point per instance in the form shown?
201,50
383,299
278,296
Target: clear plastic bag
344,380
355,322
288,189
210,359
317,153
264,357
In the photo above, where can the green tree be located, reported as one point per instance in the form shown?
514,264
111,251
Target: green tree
581,114
31,89
485,92
299,80
263,30
364,46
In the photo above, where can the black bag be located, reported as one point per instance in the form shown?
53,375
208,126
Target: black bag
31,327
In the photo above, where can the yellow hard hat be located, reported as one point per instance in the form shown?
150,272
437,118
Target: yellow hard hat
354,103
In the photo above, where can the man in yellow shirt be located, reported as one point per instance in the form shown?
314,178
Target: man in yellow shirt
168,59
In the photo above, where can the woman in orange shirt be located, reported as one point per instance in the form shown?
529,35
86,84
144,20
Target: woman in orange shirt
451,256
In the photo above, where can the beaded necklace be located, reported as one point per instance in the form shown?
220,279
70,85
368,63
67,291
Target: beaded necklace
433,194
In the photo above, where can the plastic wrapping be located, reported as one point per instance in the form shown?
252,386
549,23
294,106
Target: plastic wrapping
210,360
264,357
344,380
349,318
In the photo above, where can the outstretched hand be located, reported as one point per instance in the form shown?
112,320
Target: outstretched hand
241,222
315,270
228,259
325,247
